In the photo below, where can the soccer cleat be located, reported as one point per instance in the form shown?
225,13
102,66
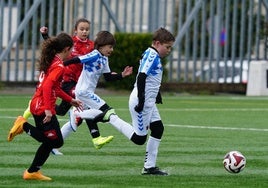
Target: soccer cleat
153,171
74,120
35,176
17,128
101,141
56,152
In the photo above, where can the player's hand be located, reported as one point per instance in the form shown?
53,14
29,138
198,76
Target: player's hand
139,107
48,116
78,104
43,30
127,71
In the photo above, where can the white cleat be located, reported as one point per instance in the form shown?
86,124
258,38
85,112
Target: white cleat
73,120
56,152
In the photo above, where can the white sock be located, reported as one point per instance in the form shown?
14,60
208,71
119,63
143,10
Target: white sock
122,126
88,114
151,152
66,130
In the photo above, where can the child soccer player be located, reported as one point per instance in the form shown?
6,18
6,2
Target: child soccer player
95,64
142,102
42,105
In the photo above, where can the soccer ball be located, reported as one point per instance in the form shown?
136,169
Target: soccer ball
234,162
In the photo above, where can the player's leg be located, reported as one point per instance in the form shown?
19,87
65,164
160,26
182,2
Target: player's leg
49,135
27,113
98,140
157,129
63,108
93,102
66,130
110,116
89,115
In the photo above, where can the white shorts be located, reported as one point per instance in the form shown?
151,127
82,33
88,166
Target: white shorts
89,99
141,121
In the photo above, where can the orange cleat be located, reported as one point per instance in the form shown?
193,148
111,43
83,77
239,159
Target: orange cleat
17,128
35,176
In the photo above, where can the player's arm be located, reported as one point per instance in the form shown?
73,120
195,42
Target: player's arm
85,59
113,76
74,60
141,91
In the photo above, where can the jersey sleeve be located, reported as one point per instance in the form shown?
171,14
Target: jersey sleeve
64,96
148,62
89,58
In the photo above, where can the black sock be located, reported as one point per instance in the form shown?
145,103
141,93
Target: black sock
93,128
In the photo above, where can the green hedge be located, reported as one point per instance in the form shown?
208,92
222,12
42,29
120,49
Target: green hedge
127,52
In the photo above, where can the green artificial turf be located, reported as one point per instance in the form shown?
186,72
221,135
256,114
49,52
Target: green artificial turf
199,131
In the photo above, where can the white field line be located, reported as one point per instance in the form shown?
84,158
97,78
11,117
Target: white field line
174,125
217,128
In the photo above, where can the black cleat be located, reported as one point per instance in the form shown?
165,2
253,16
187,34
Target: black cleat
153,171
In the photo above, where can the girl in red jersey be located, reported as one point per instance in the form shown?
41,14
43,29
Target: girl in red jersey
82,46
42,106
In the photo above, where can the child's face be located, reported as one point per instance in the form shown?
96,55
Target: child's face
106,50
82,31
163,48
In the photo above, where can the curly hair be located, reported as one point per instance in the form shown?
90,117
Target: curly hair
52,46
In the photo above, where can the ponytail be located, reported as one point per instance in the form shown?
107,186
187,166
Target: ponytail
51,47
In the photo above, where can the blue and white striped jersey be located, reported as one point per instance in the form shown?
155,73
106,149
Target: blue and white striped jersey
151,65
94,65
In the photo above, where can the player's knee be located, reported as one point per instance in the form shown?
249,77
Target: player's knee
139,140
157,129
63,108
57,143
104,107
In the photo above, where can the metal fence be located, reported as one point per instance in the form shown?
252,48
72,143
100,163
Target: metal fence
215,40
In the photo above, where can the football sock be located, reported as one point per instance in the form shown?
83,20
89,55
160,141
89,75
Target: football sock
40,158
93,128
151,152
122,126
88,114
66,129
27,113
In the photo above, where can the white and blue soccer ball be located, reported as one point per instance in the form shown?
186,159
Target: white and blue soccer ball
234,162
